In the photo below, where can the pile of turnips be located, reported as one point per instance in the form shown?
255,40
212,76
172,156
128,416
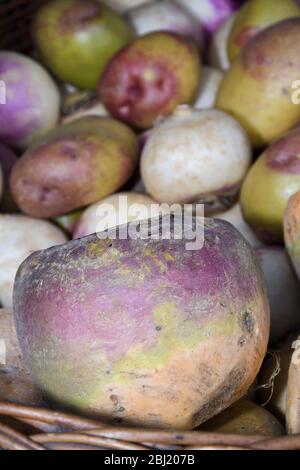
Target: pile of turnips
146,109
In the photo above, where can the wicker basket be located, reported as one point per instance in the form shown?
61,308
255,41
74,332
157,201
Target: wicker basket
28,428
15,22
37,429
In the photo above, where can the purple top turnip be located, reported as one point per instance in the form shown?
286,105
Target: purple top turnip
144,330
32,100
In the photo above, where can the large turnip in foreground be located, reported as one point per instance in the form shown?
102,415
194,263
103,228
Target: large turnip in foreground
145,331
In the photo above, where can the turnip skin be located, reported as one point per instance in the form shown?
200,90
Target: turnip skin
235,217
144,331
147,79
32,100
92,221
19,237
292,230
77,38
293,391
73,166
195,156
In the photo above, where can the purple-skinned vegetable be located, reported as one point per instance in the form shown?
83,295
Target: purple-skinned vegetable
292,230
211,13
32,100
145,331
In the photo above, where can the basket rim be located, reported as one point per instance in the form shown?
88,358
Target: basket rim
58,431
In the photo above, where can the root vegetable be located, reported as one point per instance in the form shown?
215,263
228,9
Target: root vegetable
151,76
293,392
19,237
292,231
74,166
256,91
195,156
235,217
115,210
32,100
245,417
255,16
145,331
76,39
268,186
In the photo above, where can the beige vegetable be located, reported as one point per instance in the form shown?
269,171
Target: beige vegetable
274,377
19,237
115,210
293,392
195,155
218,55
210,82
122,6
235,217
245,417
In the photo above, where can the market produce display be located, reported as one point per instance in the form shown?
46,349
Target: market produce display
149,224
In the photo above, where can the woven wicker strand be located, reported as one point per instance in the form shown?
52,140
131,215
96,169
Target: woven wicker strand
77,433
15,23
